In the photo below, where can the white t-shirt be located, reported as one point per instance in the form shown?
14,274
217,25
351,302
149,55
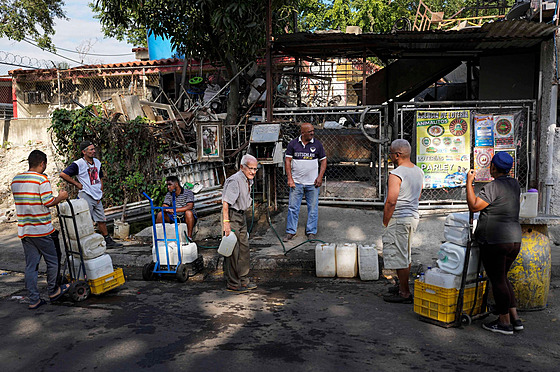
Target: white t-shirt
89,175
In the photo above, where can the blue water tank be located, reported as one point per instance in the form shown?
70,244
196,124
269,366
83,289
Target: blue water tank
160,47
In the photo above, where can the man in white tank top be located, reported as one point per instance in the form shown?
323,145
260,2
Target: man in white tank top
400,217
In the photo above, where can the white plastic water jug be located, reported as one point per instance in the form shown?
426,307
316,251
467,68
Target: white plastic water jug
189,253
93,246
457,235
451,258
368,263
82,215
170,232
438,277
529,203
347,260
460,219
121,229
325,260
95,268
227,244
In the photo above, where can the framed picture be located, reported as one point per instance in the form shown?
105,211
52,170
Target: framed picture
209,136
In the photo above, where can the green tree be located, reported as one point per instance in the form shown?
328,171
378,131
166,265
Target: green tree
228,31
130,32
30,18
370,15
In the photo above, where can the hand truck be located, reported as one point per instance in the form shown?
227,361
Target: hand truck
160,267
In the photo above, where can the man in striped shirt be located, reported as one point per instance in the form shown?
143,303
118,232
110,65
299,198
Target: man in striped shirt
33,197
184,203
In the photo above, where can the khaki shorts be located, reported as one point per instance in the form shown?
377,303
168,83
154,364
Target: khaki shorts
95,207
397,242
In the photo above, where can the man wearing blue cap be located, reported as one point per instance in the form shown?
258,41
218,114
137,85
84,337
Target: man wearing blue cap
498,234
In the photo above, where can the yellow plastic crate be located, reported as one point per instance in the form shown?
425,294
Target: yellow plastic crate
107,282
440,303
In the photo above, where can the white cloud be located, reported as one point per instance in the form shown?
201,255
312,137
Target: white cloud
80,28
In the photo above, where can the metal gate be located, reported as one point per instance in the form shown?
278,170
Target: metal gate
524,128
355,141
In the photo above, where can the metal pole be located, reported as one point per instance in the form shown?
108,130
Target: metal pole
59,86
364,78
269,101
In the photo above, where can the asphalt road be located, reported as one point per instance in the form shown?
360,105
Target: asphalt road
287,324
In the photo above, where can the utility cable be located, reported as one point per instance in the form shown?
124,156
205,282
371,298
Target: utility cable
95,54
56,54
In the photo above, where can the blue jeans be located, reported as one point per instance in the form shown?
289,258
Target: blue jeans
312,197
34,248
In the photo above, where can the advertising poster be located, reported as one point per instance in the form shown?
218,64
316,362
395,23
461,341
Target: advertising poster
503,131
483,131
482,158
513,169
443,147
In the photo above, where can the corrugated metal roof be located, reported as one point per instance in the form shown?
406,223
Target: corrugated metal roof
490,38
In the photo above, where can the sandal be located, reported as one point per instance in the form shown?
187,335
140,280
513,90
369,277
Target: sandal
62,290
37,305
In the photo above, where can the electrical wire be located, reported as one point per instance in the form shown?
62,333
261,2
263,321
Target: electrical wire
95,54
56,54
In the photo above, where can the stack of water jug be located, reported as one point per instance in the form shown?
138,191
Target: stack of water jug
346,261
189,250
97,263
451,255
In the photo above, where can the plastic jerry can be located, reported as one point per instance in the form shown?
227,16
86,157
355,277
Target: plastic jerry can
347,260
456,234
170,232
82,215
93,245
227,244
95,268
529,203
325,260
189,253
368,264
460,219
438,277
451,259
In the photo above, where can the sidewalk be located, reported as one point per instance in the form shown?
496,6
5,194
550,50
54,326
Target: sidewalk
336,225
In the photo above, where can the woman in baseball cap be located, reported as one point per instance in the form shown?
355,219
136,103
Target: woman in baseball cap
498,234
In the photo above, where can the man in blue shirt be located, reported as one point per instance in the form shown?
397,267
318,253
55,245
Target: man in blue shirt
306,162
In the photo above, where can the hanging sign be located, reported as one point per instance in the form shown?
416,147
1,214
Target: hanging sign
503,132
482,159
483,131
443,147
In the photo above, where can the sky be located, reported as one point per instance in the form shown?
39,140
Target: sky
80,29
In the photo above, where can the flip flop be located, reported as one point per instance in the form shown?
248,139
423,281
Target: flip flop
38,305
63,289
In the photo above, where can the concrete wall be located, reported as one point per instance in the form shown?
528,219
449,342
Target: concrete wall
548,72
21,131
508,76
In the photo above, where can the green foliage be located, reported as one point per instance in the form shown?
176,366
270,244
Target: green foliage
157,191
370,15
132,33
229,32
129,153
30,18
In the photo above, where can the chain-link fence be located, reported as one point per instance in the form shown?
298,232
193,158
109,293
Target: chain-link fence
356,160
67,88
523,112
